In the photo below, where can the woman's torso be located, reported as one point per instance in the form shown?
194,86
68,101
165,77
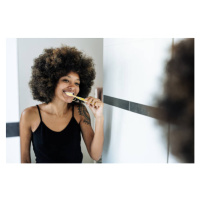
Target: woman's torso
56,139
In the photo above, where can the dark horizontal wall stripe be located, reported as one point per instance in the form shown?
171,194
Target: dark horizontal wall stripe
12,129
120,103
133,107
145,110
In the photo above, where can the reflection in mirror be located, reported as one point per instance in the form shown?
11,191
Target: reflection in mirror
27,51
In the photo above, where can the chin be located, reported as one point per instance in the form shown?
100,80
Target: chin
68,101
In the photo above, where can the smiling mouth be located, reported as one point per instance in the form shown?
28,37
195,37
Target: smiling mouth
65,92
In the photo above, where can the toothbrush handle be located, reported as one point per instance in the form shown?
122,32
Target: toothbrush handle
81,99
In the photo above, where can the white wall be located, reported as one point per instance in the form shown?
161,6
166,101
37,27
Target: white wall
13,150
28,49
12,99
133,70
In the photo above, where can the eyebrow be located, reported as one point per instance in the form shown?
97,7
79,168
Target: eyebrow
76,79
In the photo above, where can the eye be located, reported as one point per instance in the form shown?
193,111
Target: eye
65,80
77,84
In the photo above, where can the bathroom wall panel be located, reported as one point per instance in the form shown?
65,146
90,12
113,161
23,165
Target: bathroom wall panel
132,138
133,68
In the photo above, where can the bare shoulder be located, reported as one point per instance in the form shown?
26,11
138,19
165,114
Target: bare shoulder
83,113
29,114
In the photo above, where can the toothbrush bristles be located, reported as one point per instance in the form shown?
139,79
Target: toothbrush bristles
80,98
69,93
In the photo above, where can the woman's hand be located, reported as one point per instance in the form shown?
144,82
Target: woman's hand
96,105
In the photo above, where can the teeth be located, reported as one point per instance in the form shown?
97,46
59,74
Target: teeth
69,92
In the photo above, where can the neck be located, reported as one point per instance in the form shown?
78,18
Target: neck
58,108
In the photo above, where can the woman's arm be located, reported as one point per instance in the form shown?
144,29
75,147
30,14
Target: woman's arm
94,142
97,142
25,135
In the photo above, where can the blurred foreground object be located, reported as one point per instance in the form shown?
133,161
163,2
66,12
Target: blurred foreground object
178,100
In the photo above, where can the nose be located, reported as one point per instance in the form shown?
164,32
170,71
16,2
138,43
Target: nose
71,86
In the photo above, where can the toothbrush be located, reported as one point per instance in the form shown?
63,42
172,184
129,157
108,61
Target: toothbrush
70,94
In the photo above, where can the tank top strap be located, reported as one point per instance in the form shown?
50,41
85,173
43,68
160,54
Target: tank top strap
39,112
72,110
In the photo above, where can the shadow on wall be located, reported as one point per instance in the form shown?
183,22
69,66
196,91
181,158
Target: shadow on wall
108,130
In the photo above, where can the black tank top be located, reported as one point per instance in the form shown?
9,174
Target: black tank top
57,147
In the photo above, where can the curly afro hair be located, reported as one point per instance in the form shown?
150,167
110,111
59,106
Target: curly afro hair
55,63
178,100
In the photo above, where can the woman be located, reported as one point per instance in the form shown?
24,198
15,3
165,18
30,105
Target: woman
54,126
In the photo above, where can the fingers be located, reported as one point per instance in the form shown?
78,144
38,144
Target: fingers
89,100
96,103
93,102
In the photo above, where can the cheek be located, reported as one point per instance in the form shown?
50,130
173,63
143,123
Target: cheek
58,90
78,90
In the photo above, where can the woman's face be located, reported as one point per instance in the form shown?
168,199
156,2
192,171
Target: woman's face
68,83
